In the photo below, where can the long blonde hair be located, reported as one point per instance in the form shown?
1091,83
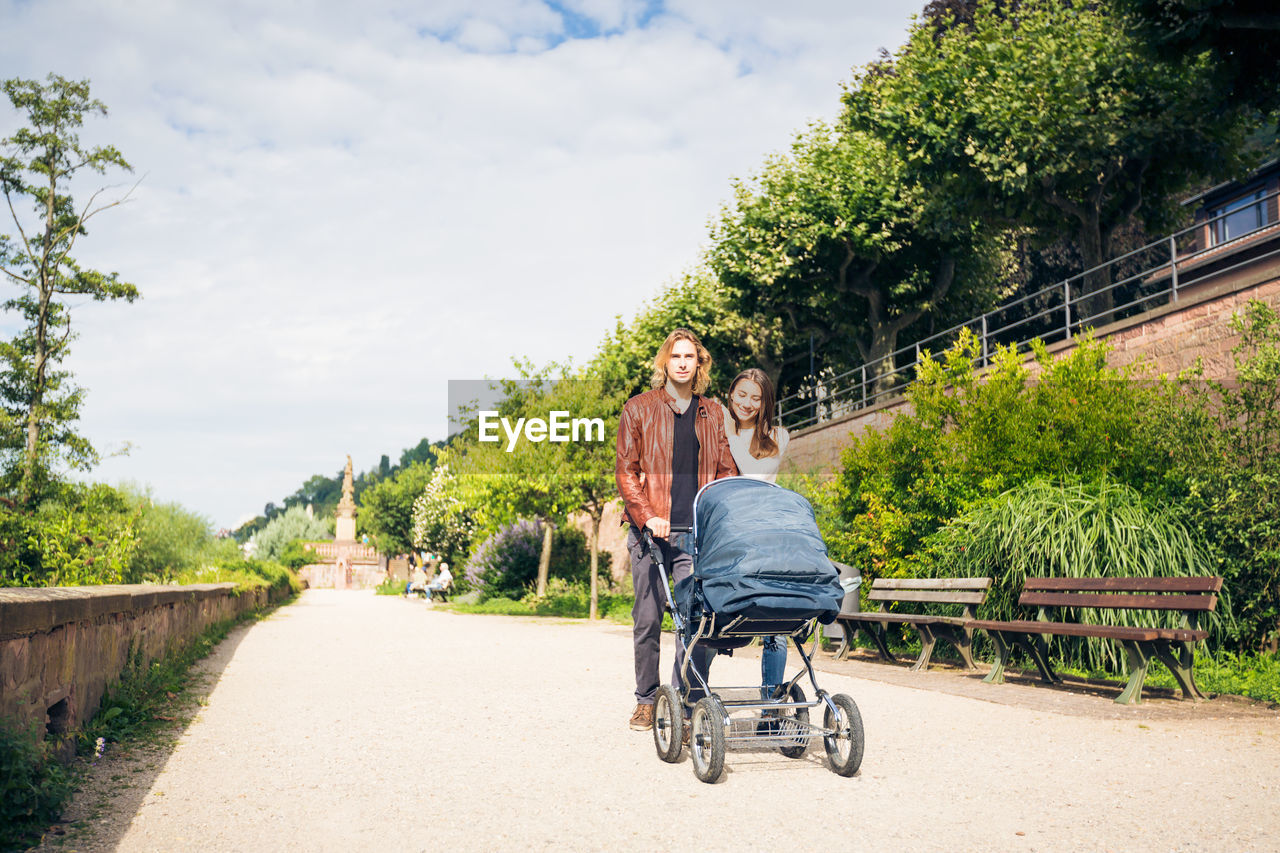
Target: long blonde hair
762,441
701,377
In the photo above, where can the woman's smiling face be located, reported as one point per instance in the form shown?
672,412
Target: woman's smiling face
745,401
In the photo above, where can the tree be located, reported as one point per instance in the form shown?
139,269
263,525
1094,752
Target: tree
698,301
1050,114
586,469
387,508
843,242
1243,37
37,166
295,524
547,480
442,522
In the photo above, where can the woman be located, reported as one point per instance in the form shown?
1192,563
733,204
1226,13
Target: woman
758,445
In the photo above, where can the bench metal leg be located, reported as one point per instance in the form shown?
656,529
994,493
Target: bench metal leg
964,645
1139,655
843,651
1033,646
876,631
927,641
1039,653
996,675
1181,667
961,638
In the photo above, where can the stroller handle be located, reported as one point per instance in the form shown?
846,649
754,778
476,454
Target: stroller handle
647,537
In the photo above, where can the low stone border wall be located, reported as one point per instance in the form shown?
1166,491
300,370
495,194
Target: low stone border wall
61,646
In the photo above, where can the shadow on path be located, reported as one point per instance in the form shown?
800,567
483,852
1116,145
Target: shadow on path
112,789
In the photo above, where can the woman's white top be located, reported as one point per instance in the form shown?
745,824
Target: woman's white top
740,446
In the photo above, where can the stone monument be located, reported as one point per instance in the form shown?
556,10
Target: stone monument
345,562
345,523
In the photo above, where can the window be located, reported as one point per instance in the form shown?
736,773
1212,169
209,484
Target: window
1238,217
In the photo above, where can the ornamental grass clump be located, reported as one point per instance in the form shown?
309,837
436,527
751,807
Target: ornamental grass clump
1048,528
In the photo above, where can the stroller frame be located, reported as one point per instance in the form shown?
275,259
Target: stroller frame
782,720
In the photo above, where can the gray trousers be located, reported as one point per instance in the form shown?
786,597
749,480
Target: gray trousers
647,612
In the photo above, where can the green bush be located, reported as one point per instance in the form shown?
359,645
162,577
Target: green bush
1223,474
967,438
246,574
564,599
171,539
83,534
1204,456
293,525
33,786
390,586
505,565
1072,530
295,556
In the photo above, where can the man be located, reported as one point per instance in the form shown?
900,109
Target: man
441,582
671,442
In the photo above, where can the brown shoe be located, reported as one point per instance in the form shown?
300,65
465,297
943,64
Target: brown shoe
642,718
684,733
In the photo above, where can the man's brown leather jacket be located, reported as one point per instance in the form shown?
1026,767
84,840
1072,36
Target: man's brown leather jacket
645,441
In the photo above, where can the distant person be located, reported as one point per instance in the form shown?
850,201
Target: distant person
441,582
757,445
417,580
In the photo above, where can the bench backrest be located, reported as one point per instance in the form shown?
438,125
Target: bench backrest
967,591
1186,594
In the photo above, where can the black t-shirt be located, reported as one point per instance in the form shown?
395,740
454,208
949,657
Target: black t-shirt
684,466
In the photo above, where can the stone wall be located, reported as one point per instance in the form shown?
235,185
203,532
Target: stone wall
60,647
1169,339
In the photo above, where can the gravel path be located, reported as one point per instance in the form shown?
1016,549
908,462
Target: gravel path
353,722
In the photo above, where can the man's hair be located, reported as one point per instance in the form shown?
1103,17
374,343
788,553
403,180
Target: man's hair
701,377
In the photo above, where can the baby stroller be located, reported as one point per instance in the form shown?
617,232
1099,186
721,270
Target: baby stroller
760,568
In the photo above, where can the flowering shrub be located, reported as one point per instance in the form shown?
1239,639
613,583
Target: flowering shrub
506,564
441,521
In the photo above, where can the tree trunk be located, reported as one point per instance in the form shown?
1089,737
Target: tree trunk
881,379
595,565
884,331
44,278
1096,308
544,562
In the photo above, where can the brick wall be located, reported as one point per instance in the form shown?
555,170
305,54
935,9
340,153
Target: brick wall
60,647
1169,339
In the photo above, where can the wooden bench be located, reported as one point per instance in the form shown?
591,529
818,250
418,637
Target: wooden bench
966,593
1174,647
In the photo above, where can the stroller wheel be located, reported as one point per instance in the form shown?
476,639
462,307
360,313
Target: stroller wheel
844,746
800,745
668,724
706,742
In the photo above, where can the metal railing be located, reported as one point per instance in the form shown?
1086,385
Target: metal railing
1125,286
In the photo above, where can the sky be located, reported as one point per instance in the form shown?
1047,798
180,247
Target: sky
342,206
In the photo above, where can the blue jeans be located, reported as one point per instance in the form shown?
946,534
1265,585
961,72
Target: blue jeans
773,663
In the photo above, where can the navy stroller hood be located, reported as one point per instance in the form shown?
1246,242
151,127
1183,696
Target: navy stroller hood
759,553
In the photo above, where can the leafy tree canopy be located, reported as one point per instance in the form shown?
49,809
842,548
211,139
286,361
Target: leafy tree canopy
1051,114
844,241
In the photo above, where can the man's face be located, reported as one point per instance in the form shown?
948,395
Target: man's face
683,363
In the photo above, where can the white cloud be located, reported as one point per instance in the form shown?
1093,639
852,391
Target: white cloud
345,205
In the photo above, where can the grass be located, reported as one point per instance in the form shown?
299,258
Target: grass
33,786
390,586
1254,676
562,601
